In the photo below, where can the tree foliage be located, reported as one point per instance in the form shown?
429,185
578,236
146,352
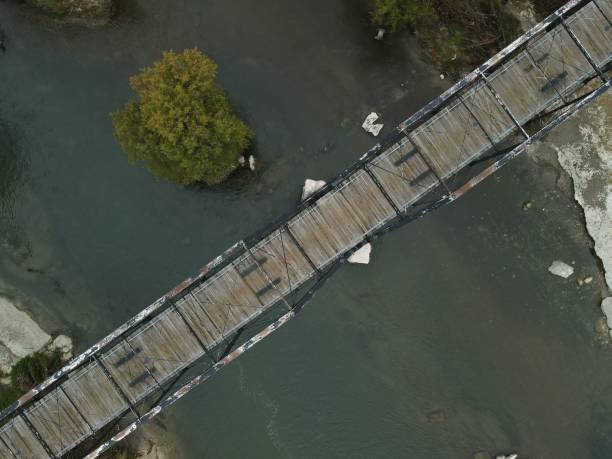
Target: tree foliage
182,126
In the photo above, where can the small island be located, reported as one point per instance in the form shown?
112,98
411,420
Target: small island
182,126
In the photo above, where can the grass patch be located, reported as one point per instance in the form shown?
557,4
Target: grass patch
27,373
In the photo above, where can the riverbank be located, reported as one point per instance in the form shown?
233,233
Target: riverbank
87,12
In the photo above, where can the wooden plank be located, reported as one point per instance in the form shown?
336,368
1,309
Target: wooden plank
397,168
494,120
128,369
283,260
368,205
263,285
167,345
523,88
338,221
450,139
228,300
201,324
561,60
606,7
94,395
21,440
57,421
593,31
326,229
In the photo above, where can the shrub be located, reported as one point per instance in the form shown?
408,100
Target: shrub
27,373
182,127
34,369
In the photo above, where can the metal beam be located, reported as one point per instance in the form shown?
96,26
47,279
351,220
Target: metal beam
538,67
429,165
8,448
484,131
301,249
76,409
193,333
117,387
596,3
382,189
501,102
582,49
37,434
265,273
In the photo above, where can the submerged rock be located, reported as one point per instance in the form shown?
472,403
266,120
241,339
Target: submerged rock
63,344
561,269
437,416
311,187
361,256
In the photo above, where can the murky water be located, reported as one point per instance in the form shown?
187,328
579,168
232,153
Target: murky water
456,312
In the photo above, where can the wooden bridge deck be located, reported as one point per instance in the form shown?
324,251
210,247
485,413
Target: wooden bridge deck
476,116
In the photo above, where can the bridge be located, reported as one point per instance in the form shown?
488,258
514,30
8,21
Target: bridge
260,283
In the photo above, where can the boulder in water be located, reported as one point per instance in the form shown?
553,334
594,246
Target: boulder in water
311,187
561,269
361,256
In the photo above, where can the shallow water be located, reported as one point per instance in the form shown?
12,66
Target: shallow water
456,312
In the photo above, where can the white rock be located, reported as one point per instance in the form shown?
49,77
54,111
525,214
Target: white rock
441,76
509,456
588,160
311,186
241,161
369,126
63,344
380,33
19,335
606,307
252,162
558,268
361,256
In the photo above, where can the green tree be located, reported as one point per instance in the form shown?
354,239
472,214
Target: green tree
182,126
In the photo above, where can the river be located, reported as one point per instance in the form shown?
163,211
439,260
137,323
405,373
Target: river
456,312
